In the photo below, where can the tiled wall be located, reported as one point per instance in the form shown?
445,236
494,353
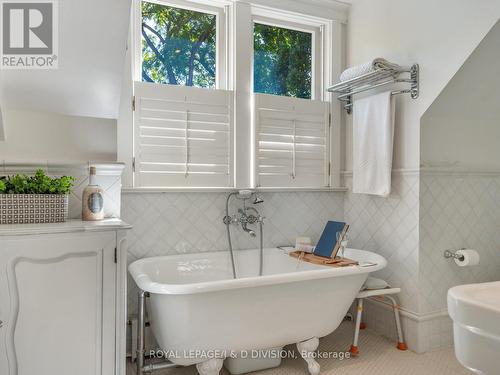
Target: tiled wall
174,223
457,210
389,226
427,213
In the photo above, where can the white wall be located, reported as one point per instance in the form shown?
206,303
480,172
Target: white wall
461,128
460,193
37,136
92,39
439,35
125,131
69,113
2,125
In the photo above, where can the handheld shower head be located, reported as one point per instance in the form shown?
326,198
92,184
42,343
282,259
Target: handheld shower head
258,199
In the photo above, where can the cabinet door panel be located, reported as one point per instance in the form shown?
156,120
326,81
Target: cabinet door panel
58,304
57,296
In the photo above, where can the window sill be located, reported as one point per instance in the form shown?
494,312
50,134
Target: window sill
139,190
136,190
307,189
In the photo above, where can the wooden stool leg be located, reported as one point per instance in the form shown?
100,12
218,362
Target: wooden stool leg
401,343
354,347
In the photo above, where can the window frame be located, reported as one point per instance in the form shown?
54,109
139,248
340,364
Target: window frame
221,37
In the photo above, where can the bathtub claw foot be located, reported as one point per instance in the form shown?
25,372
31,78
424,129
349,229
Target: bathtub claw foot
306,350
210,367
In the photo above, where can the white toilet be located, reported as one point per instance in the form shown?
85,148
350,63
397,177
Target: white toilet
475,311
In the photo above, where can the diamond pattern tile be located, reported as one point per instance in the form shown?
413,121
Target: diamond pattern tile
389,226
457,211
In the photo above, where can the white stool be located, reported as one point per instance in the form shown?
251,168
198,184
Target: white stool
379,294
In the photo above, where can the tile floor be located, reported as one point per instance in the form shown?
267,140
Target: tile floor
378,357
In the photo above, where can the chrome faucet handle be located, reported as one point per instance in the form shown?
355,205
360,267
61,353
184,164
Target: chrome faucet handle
229,220
243,219
252,219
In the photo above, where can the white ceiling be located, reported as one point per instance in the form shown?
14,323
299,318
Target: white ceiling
92,44
474,91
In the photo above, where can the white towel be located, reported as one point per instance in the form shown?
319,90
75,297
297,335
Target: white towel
373,136
370,66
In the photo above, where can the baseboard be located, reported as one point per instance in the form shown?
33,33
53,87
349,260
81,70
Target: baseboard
415,316
423,332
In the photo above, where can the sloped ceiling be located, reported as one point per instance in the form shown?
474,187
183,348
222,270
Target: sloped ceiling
462,126
92,44
474,90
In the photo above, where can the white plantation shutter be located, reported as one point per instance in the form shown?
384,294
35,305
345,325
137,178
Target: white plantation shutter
292,142
182,136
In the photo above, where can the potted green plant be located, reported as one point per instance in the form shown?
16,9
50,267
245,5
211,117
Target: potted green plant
34,199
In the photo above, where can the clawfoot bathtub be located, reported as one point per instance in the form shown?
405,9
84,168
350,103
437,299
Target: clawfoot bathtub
199,313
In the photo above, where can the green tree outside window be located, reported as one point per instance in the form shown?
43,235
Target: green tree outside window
178,46
282,61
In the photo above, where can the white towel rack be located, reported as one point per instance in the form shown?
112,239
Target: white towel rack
377,78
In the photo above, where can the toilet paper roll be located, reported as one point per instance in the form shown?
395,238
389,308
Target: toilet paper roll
470,258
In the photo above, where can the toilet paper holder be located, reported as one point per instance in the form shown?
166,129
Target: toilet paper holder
452,254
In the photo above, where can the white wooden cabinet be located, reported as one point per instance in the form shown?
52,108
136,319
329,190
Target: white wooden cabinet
62,299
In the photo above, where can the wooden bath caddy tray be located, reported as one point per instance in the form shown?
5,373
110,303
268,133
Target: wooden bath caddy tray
311,258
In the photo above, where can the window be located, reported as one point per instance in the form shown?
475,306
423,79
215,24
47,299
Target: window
282,61
183,117
180,46
292,133
190,129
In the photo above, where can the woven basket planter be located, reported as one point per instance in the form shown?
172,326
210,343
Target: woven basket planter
33,208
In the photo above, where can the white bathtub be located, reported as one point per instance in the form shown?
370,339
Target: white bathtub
196,305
